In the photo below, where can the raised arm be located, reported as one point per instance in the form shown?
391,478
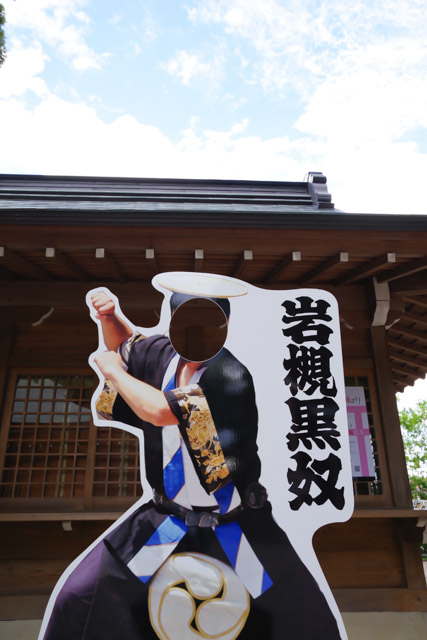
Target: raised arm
114,329
146,401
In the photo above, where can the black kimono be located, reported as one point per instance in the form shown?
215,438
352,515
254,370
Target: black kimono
103,598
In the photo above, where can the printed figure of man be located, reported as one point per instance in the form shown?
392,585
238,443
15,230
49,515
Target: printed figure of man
209,522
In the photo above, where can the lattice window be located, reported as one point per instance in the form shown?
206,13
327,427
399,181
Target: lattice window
52,450
363,487
116,463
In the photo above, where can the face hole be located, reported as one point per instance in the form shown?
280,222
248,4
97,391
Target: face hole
198,329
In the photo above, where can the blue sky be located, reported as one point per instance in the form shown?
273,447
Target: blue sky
252,89
257,89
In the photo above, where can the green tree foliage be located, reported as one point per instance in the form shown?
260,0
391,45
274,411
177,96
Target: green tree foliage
2,36
413,423
418,487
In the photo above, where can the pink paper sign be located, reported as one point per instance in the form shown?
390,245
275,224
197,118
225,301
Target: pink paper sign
362,459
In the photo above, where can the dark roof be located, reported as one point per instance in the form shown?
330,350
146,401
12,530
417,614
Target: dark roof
133,201
64,200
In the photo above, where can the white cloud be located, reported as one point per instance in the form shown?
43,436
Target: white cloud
412,395
115,19
186,66
60,137
368,100
83,17
51,23
375,178
206,11
69,138
20,71
151,28
239,127
301,43
361,70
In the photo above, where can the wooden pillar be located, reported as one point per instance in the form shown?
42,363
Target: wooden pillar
411,537
393,442
7,335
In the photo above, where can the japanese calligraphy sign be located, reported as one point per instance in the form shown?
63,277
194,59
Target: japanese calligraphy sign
291,343
294,354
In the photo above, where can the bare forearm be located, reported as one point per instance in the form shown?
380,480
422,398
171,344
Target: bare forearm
115,331
147,402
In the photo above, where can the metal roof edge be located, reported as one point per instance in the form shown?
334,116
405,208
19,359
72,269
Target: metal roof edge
37,178
189,218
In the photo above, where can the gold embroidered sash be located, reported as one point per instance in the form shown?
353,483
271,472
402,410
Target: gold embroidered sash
202,436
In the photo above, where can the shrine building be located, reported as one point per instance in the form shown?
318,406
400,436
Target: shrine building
63,481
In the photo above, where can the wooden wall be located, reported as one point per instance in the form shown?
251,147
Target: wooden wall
68,335
370,562
362,560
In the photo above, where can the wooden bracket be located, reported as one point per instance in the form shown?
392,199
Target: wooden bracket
382,303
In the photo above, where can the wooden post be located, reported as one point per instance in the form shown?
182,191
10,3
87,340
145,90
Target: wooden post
6,342
411,537
393,442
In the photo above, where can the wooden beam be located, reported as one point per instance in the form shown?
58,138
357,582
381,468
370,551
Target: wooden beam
395,454
419,303
6,274
413,348
27,266
401,379
68,295
389,513
367,269
405,372
241,264
199,256
118,273
379,599
279,268
152,263
415,285
59,516
324,267
410,538
413,362
72,266
406,331
358,363
415,317
405,270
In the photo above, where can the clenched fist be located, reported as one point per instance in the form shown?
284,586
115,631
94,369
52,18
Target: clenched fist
110,364
103,304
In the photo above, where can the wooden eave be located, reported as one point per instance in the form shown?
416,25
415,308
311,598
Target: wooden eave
84,232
